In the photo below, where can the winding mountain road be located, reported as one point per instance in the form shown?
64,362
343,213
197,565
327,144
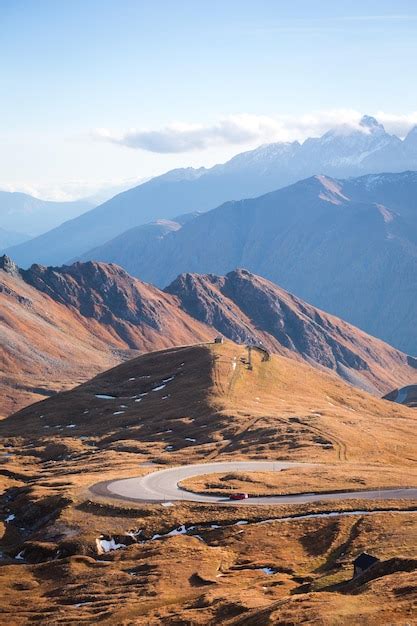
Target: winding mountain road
162,486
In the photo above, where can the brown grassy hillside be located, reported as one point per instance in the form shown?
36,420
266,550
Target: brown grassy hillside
230,564
47,346
281,408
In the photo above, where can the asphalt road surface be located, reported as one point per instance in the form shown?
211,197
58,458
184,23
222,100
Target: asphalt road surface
162,486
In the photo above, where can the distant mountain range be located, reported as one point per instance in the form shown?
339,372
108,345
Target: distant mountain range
347,246
62,324
11,238
29,216
123,249
340,153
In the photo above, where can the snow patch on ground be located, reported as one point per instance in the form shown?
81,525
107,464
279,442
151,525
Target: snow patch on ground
104,545
10,518
118,413
103,396
159,388
190,439
181,530
134,533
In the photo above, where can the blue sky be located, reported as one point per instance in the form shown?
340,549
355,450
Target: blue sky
96,92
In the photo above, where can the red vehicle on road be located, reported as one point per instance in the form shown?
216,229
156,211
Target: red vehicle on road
238,496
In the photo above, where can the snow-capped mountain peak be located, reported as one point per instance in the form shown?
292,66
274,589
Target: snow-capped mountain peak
370,124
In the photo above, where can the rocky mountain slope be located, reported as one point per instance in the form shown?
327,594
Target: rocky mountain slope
58,327
79,557
341,152
348,247
250,309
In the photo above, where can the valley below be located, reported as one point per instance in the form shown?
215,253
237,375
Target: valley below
88,555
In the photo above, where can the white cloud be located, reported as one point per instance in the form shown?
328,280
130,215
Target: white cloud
181,137
246,129
397,124
97,190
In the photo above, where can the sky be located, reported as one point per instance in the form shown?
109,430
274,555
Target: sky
97,93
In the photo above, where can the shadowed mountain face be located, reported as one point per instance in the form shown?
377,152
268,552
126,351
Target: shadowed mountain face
107,294
123,248
166,397
348,247
405,395
249,309
341,152
60,325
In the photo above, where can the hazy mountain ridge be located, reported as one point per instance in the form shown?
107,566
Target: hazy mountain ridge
32,216
123,248
347,246
11,238
340,153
